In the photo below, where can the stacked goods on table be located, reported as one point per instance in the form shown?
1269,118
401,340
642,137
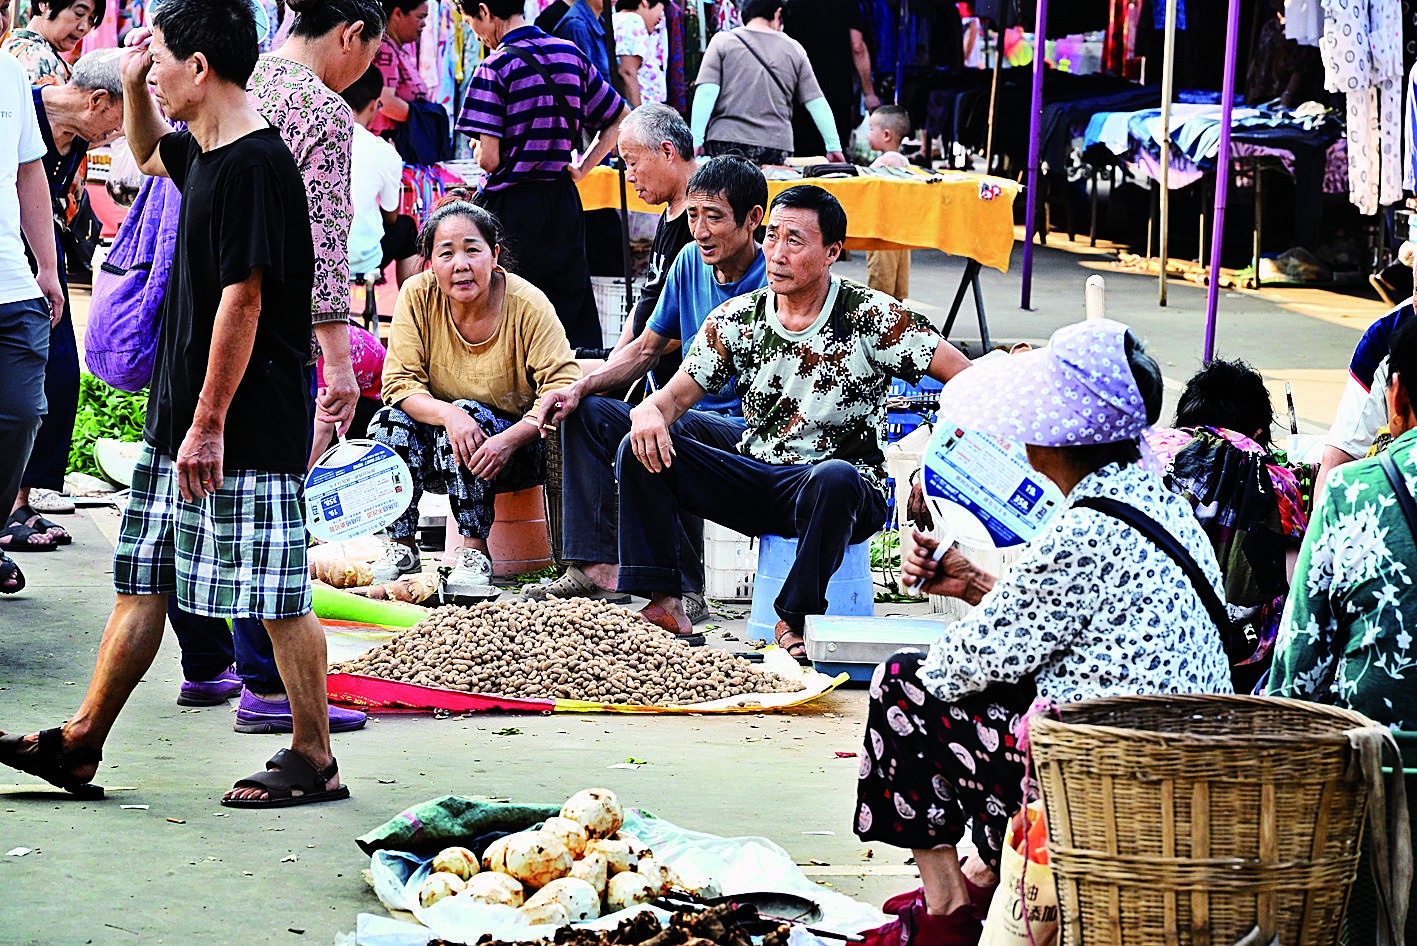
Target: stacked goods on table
721,925
572,649
572,869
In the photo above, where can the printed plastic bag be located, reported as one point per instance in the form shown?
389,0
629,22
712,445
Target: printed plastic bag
1026,898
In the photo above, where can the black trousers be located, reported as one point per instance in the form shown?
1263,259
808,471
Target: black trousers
544,235
590,440
826,506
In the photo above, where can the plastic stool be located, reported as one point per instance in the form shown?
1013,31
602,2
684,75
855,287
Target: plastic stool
850,591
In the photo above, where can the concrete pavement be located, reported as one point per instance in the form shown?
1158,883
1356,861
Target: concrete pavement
186,870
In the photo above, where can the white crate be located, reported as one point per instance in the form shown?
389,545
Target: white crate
730,563
609,292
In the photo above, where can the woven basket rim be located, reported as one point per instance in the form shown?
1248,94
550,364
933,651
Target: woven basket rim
1355,721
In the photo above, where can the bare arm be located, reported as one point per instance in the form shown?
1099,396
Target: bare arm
649,423
37,224
599,148
394,108
489,152
142,123
199,459
861,57
947,362
626,364
630,74
1332,459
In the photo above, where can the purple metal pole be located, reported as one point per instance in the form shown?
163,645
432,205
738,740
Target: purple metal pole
1035,121
1222,175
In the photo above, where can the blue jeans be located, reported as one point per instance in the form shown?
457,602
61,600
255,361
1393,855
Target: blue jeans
24,351
49,459
590,438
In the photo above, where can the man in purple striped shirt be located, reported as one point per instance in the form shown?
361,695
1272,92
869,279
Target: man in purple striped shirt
526,133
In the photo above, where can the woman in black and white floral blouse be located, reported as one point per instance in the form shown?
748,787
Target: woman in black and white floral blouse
1092,608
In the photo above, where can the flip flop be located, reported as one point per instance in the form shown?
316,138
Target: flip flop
792,641
21,539
29,516
50,762
286,772
10,572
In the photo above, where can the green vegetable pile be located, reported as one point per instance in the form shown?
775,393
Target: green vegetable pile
104,411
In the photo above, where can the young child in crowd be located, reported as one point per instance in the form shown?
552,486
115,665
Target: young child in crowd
889,270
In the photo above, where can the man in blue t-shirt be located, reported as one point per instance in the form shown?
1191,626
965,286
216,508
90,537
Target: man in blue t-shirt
726,202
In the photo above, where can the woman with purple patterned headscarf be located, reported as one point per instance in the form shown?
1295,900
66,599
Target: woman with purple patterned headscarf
1091,608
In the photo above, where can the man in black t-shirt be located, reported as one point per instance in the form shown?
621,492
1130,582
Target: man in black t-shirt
215,510
833,34
658,149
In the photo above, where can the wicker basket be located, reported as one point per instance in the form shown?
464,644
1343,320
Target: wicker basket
1183,820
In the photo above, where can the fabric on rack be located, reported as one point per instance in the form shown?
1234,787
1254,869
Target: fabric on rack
1304,21
673,27
1362,55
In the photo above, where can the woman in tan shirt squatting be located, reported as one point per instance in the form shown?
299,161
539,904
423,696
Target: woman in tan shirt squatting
471,349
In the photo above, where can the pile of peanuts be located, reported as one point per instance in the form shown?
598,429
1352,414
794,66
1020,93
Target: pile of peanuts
574,649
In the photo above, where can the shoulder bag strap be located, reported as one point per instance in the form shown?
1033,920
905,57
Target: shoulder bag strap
1399,486
1165,541
791,100
569,114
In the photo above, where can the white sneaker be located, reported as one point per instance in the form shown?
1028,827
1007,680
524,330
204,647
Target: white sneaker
398,560
470,581
48,500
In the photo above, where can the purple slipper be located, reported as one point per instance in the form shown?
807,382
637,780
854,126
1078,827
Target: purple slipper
255,715
213,692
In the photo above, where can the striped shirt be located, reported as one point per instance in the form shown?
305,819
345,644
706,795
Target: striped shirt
509,100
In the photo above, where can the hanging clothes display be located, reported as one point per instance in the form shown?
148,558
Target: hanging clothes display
1362,55
1304,21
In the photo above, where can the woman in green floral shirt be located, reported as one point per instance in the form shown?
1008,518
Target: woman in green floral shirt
1347,633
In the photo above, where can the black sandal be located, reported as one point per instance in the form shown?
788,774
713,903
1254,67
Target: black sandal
50,762
19,535
25,513
10,572
287,771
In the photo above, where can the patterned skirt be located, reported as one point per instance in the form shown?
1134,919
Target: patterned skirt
930,767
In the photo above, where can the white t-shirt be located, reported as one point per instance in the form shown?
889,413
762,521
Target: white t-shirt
19,127
376,182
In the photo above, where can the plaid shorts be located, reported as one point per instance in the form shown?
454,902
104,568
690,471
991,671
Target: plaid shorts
238,553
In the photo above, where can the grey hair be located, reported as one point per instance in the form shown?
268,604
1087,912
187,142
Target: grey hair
651,124
100,69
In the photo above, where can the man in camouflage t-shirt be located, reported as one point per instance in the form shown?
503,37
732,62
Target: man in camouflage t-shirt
814,356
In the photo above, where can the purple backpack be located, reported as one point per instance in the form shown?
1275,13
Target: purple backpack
120,344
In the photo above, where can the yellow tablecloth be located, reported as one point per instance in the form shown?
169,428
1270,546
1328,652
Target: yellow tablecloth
887,214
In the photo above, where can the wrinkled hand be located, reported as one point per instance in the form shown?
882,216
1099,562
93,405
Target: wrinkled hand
917,511
464,435
836,157
335,402
199,461
649,438
491,458
953,576
556,406
579,170
53,290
